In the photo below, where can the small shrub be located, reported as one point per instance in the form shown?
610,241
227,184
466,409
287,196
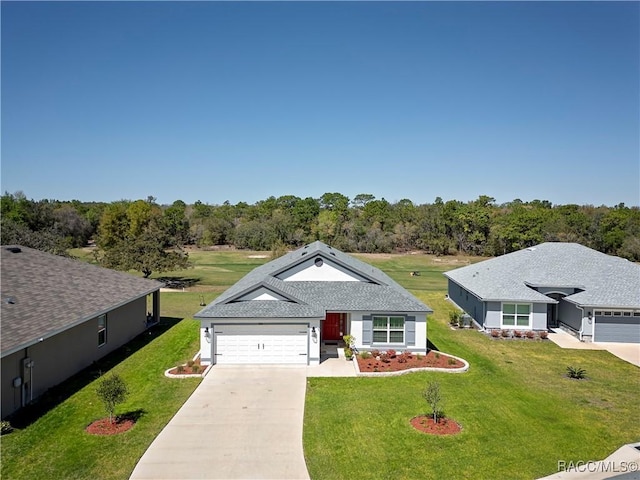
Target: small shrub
453,318
365,355
517,333
5,427
348,353
402,358
419,356
432,396
195,368
349,340
451,361
391,353
180,369
437,355
544,335
530,334
190,363
461,321
375,353
408,353
495,333
505,333
576,373
111,391
384,357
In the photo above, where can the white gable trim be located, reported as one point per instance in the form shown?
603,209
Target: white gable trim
318,268
262,293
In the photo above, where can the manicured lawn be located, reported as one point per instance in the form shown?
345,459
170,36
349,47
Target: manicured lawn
55,446
519,413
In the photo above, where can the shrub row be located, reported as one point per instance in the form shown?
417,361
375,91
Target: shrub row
530,334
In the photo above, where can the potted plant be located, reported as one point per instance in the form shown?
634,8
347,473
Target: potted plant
348,353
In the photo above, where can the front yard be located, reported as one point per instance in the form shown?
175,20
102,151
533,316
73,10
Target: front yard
519,412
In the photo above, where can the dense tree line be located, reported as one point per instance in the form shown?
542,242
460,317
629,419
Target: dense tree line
124,229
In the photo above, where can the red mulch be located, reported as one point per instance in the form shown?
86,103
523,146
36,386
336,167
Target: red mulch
431,359
188,370
105,427
445,426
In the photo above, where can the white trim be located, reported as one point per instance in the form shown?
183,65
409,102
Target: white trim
389,329
515,326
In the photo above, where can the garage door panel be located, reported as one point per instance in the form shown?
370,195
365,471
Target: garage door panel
617,329
261,344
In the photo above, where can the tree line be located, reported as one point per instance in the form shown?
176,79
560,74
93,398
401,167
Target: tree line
127,232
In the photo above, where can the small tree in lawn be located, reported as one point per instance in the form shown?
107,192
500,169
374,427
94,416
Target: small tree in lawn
112,391
432,395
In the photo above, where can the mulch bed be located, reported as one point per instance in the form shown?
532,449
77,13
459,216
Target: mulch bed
445,426
189,370
432,359
105,427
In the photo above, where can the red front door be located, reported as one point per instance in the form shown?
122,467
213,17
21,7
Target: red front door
331,327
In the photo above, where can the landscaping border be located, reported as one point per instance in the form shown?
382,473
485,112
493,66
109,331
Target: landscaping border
462,369
189,375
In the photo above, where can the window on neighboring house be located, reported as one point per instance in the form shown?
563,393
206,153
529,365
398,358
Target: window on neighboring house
388,329
102,330
516,314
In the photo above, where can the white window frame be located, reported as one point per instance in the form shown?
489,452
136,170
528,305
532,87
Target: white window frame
388,330
102,330
515,315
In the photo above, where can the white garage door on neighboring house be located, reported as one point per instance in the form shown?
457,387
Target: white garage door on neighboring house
621,327
260,344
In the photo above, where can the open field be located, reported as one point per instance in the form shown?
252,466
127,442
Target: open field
519,413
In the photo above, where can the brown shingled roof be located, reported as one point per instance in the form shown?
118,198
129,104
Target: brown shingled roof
44,294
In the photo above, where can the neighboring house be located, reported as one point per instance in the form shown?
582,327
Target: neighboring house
282,311
59,315
595,295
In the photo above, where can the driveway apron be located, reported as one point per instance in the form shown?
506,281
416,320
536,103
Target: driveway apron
242,422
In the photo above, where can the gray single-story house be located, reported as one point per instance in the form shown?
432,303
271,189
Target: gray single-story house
59,315
597,296
282,311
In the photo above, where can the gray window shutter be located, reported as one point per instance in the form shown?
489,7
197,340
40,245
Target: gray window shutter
367,330
410,330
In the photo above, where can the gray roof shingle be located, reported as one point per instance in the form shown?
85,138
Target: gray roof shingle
312,299
606,281
53,293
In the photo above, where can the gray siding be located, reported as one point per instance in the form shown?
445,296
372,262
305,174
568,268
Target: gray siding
494,314
539,318
58,357
617,329
467,301
570,315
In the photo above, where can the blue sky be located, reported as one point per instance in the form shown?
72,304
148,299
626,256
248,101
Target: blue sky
239,101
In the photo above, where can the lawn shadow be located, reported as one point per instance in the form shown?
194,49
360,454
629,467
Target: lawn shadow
178,283
134,415
61,392
431,346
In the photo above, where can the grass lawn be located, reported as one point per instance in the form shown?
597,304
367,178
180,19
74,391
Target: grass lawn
519,413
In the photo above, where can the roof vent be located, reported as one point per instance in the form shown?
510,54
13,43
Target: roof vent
10,300
532,249
14,249
304,253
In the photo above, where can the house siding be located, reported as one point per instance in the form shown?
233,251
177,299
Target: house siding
415,331
494,315
467,301
57,358
570,315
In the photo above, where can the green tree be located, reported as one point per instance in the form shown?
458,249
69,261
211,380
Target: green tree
112,391
434,399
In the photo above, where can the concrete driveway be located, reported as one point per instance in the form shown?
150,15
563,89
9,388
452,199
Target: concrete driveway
242,422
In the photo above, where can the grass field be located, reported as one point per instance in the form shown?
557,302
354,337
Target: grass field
519,413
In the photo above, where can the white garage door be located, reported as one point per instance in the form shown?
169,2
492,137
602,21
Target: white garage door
260,344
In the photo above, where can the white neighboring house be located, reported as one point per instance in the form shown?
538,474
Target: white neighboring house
282,311
597,296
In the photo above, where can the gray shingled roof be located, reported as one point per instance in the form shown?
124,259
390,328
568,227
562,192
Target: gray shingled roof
606,281
312,299
53,293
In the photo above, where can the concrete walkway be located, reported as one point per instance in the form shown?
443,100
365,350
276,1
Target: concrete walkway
629,352
624,463
241,422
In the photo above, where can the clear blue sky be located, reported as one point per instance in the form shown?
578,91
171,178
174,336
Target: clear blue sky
237,101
